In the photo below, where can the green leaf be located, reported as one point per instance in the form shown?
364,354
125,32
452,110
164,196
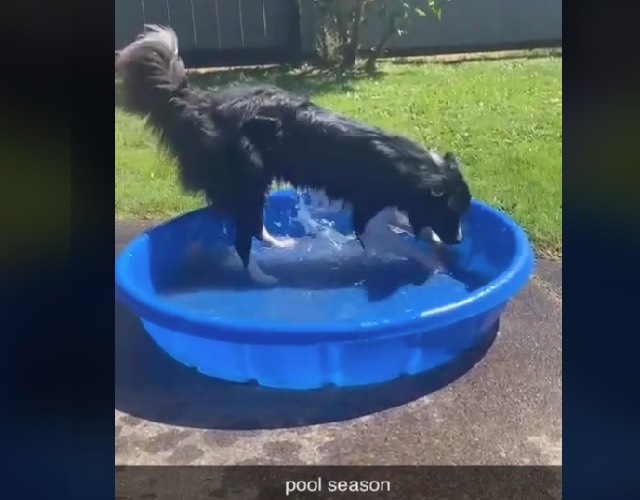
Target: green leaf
434,6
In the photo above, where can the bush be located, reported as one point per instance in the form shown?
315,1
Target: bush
340,22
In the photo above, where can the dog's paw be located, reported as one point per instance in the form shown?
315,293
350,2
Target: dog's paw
258,276
265,280
284,243
270,241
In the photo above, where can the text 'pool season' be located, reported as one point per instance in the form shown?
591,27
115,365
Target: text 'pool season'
320,484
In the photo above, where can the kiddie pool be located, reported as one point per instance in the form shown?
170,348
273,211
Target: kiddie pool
332,320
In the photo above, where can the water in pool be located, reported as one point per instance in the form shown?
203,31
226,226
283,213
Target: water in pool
325,277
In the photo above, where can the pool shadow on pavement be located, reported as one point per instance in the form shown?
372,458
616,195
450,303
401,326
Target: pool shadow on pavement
151,386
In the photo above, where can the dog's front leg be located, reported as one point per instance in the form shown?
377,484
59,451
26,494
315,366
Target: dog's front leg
249,224
258,275
362,214
245,232
380,236
249,211
405,248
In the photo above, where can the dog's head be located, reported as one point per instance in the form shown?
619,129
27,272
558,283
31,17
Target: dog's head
441,200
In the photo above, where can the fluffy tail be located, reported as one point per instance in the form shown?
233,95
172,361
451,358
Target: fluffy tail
154,85
152,73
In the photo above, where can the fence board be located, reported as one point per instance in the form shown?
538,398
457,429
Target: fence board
278,16
129,21
229,29
155,11
252,23
182,23
544,22
207,24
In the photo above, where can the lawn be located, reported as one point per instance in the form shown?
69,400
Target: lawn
503,118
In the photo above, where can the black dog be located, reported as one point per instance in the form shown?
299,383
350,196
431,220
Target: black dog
232,144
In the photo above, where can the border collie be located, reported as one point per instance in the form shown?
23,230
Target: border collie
232,144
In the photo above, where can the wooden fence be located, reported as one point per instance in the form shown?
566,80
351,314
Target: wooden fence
221,32
217,31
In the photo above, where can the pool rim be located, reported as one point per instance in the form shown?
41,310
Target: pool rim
494,294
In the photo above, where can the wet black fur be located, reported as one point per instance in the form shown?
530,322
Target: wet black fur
231,144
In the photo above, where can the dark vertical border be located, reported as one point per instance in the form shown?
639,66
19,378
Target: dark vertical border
56,316
600,256
92,353
95,306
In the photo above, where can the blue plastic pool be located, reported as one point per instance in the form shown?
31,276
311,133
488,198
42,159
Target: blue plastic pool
335,317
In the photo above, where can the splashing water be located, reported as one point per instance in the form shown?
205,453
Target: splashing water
319,227
324,223
322,240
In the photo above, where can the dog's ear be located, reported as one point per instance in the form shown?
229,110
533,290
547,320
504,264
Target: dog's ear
451,160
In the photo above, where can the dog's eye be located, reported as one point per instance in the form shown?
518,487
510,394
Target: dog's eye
437,191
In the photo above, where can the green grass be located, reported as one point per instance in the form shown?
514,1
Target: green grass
503,119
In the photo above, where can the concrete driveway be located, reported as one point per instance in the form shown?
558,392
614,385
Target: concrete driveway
504,407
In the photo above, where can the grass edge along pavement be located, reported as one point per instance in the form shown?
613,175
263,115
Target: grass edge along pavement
503,117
